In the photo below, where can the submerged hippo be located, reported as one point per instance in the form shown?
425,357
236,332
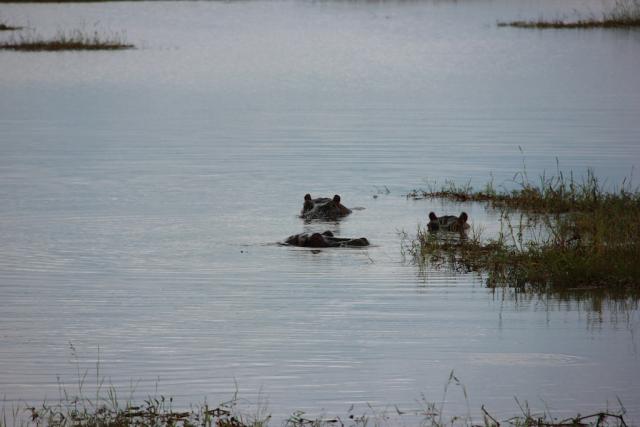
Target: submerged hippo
324,240
448,222
323,208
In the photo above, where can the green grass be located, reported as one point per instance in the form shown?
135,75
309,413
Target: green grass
548,195
63,41
557,234
104,409
623,14
157,412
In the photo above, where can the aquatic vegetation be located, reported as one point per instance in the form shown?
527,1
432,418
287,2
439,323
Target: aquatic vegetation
72,40
6,27
568,235
155,411
623,14
550,194
105,409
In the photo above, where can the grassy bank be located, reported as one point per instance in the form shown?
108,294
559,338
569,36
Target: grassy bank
101,405
556,234
62,41
104,409
157,412
623,14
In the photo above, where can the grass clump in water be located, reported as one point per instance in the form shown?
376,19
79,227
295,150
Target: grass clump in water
73,40
550,195
5,27
569,235
623,14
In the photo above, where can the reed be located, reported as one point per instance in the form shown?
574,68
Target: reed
623,14
558,234
62,41
555,194
153,412
105,410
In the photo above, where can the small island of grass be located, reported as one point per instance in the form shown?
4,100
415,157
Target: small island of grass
75,40
581,24
557,235
624,14
5,27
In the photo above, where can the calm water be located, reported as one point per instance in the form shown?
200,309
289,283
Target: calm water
142,194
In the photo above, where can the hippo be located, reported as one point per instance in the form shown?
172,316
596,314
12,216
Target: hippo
323,208
324,240
448,222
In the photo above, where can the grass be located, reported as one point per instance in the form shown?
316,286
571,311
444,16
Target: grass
5,27
62,41
104,409
108,411
623,14
557,234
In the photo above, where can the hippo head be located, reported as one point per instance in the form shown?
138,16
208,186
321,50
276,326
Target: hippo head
308,203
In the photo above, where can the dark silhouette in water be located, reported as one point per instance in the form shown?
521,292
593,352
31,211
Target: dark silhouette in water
448,222
343,210
308,204
323,208
324,240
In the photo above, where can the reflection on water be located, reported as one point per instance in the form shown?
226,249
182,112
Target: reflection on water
142,195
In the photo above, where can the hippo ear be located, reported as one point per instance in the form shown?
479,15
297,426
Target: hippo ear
328,233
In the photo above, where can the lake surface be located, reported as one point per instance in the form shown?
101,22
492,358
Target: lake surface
143,193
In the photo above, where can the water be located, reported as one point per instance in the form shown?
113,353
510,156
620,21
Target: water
143,193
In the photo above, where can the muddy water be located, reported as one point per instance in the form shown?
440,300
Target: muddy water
142,194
